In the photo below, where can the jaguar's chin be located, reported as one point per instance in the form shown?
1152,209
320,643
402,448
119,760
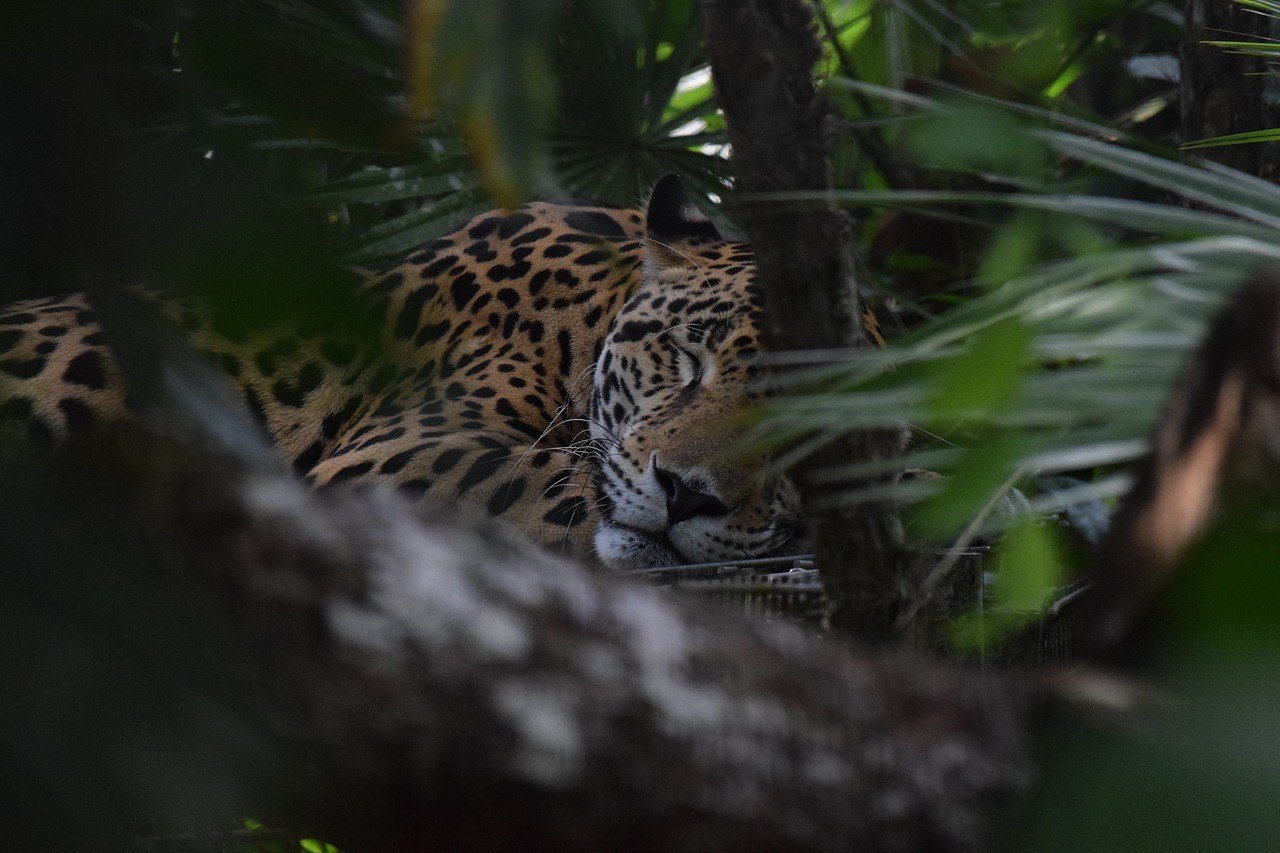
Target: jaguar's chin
623,547
620,546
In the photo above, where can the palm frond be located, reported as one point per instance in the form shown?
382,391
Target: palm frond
1105,335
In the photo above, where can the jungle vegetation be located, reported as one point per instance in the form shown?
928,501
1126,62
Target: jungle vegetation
1050,201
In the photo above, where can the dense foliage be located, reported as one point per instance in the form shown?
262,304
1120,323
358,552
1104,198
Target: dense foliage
1039,252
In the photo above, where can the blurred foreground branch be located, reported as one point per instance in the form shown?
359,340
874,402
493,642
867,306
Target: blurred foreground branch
1215,454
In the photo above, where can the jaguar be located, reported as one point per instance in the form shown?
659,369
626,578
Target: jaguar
577,369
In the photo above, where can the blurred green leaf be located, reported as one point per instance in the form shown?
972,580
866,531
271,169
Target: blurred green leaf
977,136
1015,249
1199,773
975,485
985,376
270,53
493,69
1028,566
1227,591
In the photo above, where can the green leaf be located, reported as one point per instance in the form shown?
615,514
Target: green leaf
1015,249
985,376
411,230
976,136
983,477
1268,7
1270,134
398,182
1223,188
1029,565
492,68
312,845
1161,219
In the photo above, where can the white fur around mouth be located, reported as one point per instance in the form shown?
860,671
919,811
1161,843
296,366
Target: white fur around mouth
622,547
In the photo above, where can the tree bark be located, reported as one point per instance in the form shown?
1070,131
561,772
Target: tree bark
762,56
1224,93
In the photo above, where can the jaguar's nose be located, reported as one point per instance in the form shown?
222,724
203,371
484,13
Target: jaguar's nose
683,502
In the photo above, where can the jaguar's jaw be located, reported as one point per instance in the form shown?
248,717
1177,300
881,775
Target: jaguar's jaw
639,539
622,547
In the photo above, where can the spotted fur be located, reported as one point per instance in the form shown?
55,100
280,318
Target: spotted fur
576,369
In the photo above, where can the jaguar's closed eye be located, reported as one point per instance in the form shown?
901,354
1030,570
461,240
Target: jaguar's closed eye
690,365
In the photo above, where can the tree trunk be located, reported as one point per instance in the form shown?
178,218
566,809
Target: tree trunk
1224,93
762,57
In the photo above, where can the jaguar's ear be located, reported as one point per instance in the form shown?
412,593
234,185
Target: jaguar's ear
671,218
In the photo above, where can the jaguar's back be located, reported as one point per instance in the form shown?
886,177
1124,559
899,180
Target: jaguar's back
568,367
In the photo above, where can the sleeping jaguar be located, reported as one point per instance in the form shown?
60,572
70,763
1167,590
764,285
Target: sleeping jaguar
575,369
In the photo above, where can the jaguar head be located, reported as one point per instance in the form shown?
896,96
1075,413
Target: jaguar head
669,393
